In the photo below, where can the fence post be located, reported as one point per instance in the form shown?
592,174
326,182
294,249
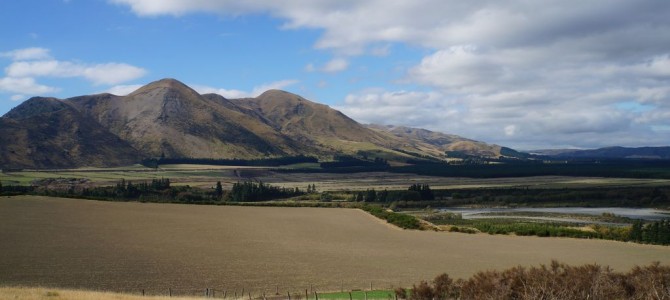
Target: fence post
142,292
306,297
249,295
316,296
366,295
170,292
289,295
350,298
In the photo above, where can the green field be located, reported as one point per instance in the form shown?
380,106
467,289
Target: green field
358,295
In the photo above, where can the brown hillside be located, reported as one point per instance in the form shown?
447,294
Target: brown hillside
167,117
315,125
47,133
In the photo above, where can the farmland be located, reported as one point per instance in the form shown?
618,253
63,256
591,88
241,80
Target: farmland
205,176
131,246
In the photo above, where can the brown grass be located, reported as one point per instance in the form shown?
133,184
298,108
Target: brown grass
27,293
131,246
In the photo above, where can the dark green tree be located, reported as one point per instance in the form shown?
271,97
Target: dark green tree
636,231
370,195
383,196
359,197
219,190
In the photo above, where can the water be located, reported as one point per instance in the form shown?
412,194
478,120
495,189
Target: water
649,214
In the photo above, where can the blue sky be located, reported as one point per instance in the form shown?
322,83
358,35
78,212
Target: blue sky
527,75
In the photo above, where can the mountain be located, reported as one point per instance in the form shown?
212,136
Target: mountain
609,153
48,133
168,118
437,143
313,125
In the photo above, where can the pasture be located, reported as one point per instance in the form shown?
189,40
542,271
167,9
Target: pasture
86,244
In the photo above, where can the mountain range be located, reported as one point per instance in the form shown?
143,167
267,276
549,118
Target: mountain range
608,153
166,118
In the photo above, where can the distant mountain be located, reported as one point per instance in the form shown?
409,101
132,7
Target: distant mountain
168,118
610,153
438,143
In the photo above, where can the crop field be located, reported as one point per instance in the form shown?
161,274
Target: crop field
71,243
206,176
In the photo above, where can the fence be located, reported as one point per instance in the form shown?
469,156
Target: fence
276,294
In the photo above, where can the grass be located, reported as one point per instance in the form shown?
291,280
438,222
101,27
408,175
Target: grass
40,293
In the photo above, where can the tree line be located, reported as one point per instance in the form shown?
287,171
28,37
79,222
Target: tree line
657,232
274,161
249,191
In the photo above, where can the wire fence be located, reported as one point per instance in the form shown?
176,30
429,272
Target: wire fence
381,293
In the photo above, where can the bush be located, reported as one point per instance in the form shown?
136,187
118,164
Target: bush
556,281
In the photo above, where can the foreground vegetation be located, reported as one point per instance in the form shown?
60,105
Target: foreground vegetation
649,232
556,281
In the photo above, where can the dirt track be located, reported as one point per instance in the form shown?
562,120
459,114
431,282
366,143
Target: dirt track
130,246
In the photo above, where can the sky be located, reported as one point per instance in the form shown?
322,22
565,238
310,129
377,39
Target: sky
518,73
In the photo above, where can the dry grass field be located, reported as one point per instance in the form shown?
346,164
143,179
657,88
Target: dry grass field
63,294
127,247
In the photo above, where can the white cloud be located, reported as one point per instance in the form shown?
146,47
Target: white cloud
332,66
108,73
335,65
33,53
396,108
232,93
123,90
26,86
558,73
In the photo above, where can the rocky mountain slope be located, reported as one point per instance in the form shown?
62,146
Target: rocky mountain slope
168,118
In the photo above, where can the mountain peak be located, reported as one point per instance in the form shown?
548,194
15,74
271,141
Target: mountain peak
165,83
35,106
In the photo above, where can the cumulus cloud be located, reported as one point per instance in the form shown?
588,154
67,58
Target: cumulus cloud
520,73
335,65
26,86
108,73
29,64
233,93
27,54
396,108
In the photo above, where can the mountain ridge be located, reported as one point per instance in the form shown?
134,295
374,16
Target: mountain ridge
166,118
